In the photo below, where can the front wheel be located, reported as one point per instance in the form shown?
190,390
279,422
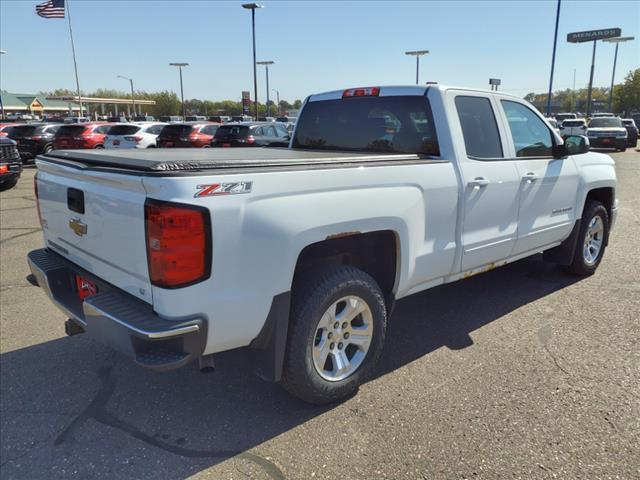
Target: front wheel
336,334
592,238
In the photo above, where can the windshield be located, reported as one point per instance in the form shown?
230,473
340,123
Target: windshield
605,122
395,124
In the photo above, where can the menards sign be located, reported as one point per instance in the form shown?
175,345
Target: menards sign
590,35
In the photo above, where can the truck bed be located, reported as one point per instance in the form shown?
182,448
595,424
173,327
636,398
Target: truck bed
192,159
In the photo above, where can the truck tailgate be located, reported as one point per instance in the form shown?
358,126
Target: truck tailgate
96,220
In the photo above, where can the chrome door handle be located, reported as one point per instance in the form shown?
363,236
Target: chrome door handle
530,177
478,183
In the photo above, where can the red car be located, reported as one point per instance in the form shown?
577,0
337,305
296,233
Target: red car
83,135
5,128
180,135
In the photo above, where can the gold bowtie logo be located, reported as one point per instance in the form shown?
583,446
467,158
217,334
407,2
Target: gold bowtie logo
78,227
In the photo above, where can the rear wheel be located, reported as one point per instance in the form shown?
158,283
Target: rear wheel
98,147
47,148
336,334
592,238
9,184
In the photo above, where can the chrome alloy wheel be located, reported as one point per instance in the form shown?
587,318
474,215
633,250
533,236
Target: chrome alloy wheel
342,339
593,240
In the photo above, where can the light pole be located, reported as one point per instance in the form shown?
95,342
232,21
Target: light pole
2,52
553,61
417,54
180,65
252,7
266,64
133,99
278,99
617,41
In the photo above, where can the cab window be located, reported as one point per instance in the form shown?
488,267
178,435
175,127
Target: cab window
531,137
479,127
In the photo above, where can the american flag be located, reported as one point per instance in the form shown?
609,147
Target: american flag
51,9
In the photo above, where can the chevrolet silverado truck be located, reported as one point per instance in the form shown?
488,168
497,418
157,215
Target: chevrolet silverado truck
299,253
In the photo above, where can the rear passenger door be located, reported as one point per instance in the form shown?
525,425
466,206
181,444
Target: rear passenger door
548,186
490,182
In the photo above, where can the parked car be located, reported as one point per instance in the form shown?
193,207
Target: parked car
176,135
241,118
10,164
553,123
195,118
286,119
170,119
561,117
85,136
251,135
299,254
144,118
573,127
602,115
133,135
219,119
5,128
632,132
70,120
607,132
33,139
120,119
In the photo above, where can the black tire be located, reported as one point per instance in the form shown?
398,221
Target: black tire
47,148
579,266
98,147
311,300
8,185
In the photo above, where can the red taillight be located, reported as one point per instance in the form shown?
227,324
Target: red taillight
251,139
35,189
361,92
178,243
4,168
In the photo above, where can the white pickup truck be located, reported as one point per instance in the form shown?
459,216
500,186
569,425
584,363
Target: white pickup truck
300,253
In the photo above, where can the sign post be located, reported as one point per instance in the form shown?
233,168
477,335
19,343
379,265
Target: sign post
494,82
246,102
592,36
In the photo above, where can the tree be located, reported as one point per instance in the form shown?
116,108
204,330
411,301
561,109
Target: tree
167,103
626,96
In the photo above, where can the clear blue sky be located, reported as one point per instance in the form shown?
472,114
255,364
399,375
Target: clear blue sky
317,46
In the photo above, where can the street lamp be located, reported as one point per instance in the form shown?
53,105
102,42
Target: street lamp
252,7
417,54
277,98
617,41
133,99
2,52
266,64
180,65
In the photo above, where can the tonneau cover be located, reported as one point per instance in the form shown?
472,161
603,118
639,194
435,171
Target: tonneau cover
176,159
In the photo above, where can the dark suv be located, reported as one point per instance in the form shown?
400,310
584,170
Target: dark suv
10,163
185,135
632,132
251,135
34,139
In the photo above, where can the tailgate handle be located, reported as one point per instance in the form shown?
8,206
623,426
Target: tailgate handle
75,200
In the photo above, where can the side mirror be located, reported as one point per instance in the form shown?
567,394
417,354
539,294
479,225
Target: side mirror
576,144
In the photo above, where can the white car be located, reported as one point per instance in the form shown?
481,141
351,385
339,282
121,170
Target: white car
300,253
133,135
573,127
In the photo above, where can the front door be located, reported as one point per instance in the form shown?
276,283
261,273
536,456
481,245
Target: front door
491,184
549,186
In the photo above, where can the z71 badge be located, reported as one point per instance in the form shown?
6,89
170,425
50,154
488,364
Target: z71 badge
214,189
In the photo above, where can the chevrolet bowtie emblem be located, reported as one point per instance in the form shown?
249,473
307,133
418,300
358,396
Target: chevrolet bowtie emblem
78,227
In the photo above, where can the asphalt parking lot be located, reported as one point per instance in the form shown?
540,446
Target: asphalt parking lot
523,372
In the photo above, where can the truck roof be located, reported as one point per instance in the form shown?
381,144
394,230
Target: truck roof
396,90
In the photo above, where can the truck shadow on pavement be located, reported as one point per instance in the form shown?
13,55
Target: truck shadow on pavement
71,405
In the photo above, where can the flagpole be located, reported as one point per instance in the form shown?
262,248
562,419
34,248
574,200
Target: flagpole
73,50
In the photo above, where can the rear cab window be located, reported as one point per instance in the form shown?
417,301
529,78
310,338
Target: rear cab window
381,124
479,127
